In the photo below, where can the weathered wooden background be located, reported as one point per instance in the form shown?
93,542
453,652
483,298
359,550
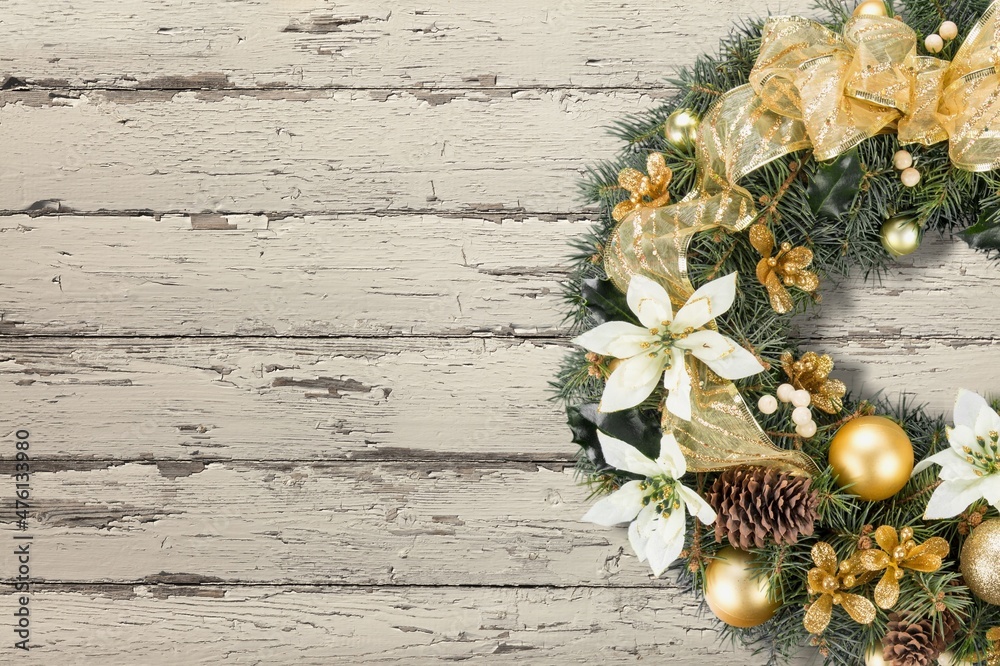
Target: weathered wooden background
279,304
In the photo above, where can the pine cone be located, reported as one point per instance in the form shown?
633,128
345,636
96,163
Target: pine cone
910,643
756,502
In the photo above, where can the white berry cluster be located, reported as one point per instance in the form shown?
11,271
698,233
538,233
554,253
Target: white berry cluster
934,43
801,414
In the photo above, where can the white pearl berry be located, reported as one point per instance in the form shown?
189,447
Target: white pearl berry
910,177
801,398
903,159
948,31
806,430
785,392
767,404
801,415
933,43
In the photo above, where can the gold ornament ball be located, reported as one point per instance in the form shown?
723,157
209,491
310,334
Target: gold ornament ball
681,129
980,555
871,8
732,592
900,236
873,456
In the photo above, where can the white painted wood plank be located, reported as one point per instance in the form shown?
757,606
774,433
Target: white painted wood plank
320,523
397,275
359,399
306,151
330,275
166,625
278,400
384,44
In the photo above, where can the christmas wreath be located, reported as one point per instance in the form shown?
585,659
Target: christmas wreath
803,151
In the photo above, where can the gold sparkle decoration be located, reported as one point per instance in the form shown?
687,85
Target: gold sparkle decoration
786,268
830,581
645,189
993,654
812,373
979,561
896,552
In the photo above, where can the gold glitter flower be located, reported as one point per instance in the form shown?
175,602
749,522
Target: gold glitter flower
898,552
644,191
829,581
812,373
785,269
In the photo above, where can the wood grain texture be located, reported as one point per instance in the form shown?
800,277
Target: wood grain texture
346,399
279,301
361,44
442,400
406,523
392,275
305,151
213,624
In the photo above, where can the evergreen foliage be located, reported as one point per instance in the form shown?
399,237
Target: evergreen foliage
947,200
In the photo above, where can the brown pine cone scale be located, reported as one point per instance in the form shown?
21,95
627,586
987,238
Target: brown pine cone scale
910,643
757,503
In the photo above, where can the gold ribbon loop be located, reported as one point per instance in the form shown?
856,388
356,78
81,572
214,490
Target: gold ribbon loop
810,87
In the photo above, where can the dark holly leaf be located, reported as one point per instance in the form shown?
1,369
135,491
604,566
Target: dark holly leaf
640,429
834,185
984,234
605,302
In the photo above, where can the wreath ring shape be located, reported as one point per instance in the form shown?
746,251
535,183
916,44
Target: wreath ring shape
805,150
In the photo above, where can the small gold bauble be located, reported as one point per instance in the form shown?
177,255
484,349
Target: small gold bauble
871,8
732,592
873,456
681,129
874,657
901,236
980,555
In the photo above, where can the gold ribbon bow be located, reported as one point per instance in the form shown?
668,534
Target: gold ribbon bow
816,89
847,88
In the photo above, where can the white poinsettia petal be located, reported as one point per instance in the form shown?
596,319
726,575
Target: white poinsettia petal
671,461
952,498
991,489
987,424
962,437
637,541
678,384
946,458
632,382
967,408
736,363
705,344
668,544
619,507
692,316
646,521
649,301
696,505
622,455
709,301
602,339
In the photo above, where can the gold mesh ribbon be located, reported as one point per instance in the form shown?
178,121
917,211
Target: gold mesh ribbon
810,88
737,136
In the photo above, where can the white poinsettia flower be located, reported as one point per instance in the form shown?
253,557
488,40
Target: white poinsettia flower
970,467
657,348
656,506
